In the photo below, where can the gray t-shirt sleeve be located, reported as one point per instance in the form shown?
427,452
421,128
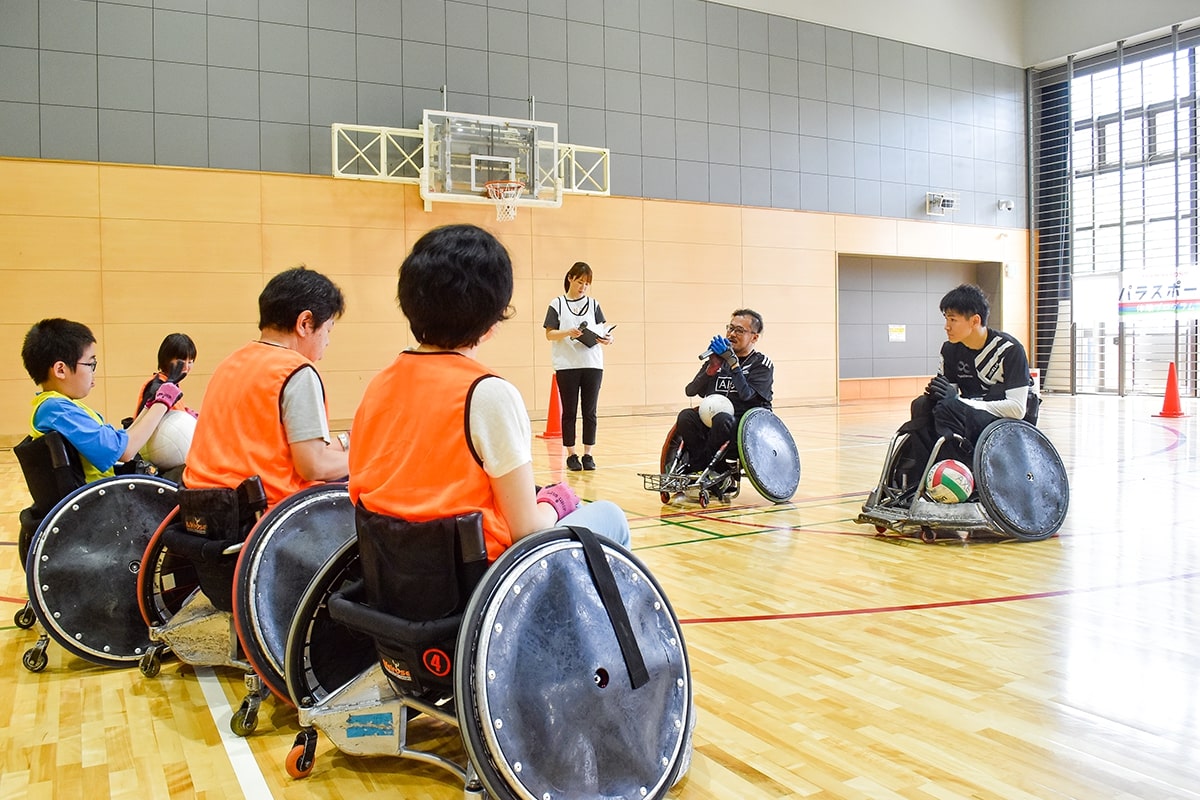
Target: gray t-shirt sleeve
304,407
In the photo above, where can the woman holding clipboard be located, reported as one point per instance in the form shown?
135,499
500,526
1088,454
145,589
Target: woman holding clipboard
576,329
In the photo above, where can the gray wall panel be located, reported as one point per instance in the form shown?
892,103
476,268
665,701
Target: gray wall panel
794,114
20,129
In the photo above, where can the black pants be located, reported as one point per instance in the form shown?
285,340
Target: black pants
700,441
960,423
574,384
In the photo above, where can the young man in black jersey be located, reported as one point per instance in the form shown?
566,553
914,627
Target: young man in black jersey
983,376
738,371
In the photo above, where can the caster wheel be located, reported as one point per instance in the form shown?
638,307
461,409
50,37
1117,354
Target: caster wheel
880,529
244,720
928,535
300,759
665,497
149,664
25,618
35,659
703,499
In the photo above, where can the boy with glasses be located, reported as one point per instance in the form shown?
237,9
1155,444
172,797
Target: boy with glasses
732,368
60,356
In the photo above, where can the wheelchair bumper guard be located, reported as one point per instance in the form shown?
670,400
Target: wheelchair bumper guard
926,514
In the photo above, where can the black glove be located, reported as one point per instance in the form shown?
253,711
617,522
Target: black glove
176,373
943,389
731,359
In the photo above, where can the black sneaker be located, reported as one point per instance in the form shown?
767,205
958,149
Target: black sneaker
573,463
588,461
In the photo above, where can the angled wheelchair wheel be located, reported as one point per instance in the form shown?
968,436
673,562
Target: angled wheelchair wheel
322,655
546,702
83,566
165,580
769,455
671,457
1021,480
282,554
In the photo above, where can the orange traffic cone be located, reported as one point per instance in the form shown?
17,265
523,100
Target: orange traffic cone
554,414
1171,398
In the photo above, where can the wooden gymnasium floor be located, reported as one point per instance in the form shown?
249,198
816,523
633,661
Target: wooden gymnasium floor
827,662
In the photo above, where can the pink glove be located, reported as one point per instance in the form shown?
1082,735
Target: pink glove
168,394
561,496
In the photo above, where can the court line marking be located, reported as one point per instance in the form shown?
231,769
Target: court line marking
245,768
943,603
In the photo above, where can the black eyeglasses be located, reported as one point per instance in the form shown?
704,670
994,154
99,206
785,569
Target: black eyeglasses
738,329
94,364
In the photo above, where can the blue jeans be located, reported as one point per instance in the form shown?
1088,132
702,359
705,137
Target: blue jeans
601,517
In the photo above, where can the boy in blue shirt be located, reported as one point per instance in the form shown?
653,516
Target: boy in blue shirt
60,356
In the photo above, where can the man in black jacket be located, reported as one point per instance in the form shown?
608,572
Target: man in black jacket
736,370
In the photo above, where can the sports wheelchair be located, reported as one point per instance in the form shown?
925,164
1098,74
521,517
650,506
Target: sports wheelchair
766,454
83,557
562,665
1021,489
202,590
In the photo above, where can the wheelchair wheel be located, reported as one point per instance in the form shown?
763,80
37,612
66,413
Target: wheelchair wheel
670,458
322,655
546,703
769,455
25,618
283,553
165,580
1021,480
83,566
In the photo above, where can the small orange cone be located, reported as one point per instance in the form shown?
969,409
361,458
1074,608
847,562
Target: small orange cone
554,414
1171,398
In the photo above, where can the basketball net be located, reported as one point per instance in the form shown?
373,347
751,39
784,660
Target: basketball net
505,194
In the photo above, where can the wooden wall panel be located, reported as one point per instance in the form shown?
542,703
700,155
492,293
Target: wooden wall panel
368,251
136,252
693,222
49,188
177,246
866,235
149,193
315,200
692,263
586,217
32,295
49,243
181,298
610,259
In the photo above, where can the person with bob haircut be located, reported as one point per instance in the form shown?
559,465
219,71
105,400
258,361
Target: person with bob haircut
574,325
176,357
265,410
60,356
983,375
437,434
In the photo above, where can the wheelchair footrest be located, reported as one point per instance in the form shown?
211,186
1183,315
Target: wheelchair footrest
674,482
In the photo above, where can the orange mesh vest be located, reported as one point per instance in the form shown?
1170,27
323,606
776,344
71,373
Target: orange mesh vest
241,432
412,455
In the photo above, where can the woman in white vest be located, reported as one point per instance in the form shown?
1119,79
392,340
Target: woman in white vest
577,330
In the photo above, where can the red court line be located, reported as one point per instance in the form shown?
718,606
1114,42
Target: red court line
943,604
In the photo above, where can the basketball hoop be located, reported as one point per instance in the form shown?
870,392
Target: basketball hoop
505,194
